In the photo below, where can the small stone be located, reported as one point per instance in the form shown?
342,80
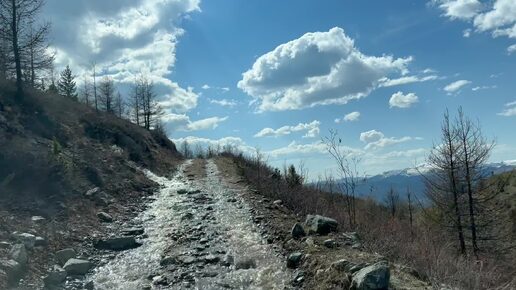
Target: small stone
246,263
228,260
330,243
133,231
64,255
37,218
321,225
278,202
294,260
27,239
168,260
211,259
117,244
54,277
104,217
12,269
40,242
159,280
92,192
77,266
89,286
182,191
5,245
298,231
187,260
342,265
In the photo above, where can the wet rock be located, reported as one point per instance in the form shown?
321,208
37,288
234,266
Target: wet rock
182,191
104,217
298,231
294,260
12,269
40,242
5,245
77,266
372,277
133,231
245,263
19,254
168,260
117,244
228,260
321,225
212,259
187,260
55,276
27,239
330,243
37,219
64,255
159,280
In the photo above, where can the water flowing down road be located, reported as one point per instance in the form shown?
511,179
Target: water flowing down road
200,235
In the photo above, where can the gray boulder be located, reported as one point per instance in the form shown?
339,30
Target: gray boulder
298,231
12,269
55,276
117,244
294,260
330,243
40,242
133,231
37,218
372,277
92,192
64,255
27,239
77,266
19,254
104,217
321,225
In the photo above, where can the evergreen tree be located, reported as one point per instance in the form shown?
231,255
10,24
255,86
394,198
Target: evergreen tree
66,84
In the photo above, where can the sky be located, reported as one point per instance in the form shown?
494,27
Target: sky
275,76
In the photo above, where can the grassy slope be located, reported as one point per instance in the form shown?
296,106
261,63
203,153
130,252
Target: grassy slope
52,150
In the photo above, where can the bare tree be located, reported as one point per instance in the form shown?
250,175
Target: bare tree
107,94
119,105
86,92
135,102
347,168
36,56
410,210
392,200
443,185
16,19
95,95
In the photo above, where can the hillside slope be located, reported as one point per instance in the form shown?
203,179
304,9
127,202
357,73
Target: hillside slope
52,151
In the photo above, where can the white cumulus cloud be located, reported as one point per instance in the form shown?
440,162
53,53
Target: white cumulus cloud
311,129
182,122
351,117
375,139
319,68
456,86
401,100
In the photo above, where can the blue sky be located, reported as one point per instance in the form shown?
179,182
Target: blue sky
277,75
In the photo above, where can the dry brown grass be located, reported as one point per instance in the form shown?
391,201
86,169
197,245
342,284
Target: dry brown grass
425,248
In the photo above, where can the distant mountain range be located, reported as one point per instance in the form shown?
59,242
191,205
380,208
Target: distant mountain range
377,186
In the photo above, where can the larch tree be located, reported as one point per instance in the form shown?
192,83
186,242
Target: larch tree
107,94
86,92
16,19
443,184
66,85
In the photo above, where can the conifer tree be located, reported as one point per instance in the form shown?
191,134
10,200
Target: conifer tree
66,85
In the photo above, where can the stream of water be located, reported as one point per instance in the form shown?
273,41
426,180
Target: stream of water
203,230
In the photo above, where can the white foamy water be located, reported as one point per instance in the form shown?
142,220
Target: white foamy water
227,226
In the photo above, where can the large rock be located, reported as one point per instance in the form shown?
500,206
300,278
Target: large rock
104,217
64,255
117,244
19,254
321,225
27,239
12,269
77,267
54,277
298,231
372,277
